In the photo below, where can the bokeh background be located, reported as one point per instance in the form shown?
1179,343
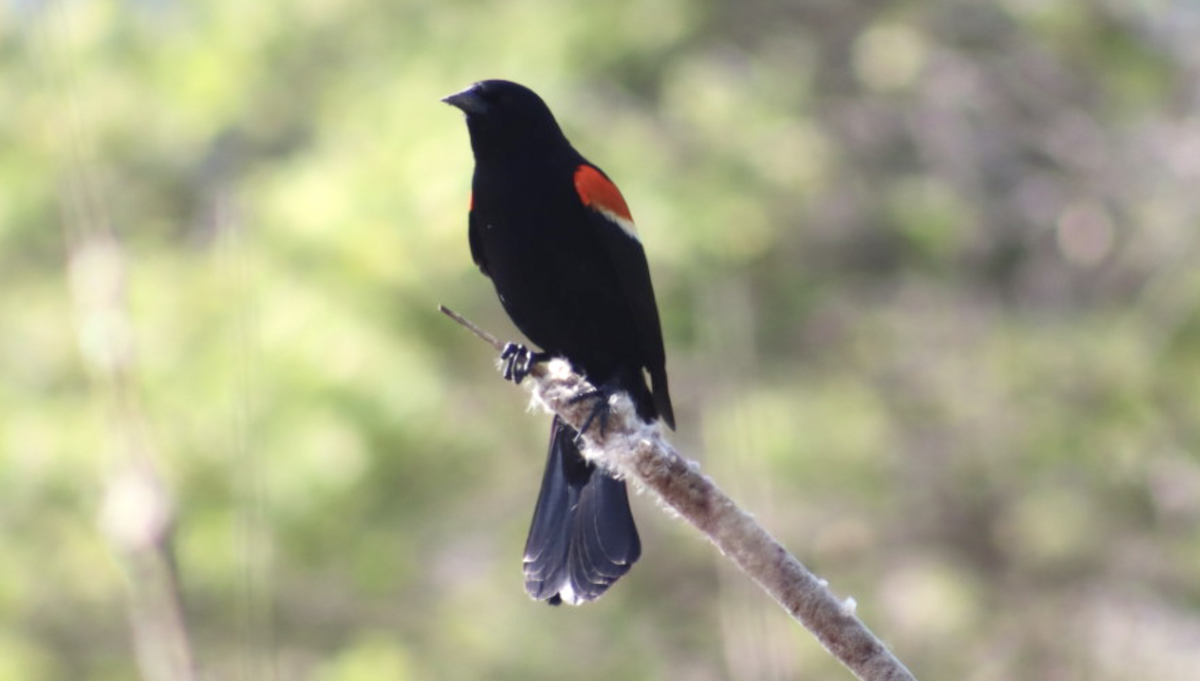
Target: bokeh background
930,281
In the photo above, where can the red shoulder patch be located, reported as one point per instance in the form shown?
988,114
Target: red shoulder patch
599,193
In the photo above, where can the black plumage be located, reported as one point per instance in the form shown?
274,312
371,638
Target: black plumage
555,237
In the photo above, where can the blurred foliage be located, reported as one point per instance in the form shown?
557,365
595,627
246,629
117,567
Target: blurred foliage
928,271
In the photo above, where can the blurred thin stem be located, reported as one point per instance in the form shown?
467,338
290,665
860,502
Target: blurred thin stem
136,514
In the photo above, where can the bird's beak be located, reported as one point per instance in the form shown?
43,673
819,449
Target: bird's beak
468,100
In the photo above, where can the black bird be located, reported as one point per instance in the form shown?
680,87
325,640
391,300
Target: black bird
557,240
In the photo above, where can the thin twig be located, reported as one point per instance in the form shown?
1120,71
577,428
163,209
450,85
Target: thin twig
472,327
637,451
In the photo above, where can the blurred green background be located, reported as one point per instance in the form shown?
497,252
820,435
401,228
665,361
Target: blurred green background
930,286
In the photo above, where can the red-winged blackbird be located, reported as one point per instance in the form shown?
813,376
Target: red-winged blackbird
556,238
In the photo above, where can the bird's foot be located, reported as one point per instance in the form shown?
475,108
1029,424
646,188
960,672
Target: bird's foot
519,360
600,409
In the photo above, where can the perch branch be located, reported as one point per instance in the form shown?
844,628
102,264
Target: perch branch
637,451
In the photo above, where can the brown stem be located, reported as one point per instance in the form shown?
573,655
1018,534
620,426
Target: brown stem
637,451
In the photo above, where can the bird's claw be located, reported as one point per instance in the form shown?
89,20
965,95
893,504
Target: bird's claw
599,409
518,361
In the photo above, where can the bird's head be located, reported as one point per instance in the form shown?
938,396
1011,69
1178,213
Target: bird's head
502,114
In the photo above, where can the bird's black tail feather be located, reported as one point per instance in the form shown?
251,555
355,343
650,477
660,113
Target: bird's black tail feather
583,537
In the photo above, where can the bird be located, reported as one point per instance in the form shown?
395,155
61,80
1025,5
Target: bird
558,241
